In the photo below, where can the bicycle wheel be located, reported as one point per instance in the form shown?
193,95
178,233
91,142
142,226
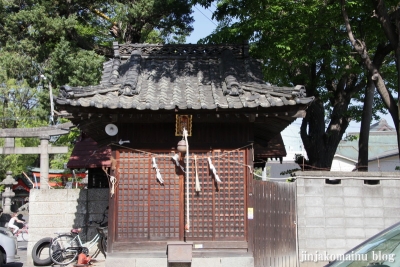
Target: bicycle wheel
24,236
63,249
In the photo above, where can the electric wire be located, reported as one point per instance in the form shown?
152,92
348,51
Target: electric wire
205,15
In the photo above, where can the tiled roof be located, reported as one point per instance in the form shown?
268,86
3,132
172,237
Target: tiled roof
385,154
382,126
169,77
382,138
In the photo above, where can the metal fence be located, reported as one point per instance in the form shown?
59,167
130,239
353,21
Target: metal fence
275,224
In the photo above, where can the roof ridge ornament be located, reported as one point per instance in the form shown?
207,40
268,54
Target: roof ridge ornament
181,50
116,62
301,91
232,87
129,87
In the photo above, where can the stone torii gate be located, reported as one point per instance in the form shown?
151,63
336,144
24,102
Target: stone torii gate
44,149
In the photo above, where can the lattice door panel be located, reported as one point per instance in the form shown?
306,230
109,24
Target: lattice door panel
217,212
164,201
147,210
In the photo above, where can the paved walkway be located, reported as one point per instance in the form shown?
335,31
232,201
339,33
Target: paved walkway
22,245
22,252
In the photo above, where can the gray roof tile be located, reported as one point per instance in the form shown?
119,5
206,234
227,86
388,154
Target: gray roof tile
165,77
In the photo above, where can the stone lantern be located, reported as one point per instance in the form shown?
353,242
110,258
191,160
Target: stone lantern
8,194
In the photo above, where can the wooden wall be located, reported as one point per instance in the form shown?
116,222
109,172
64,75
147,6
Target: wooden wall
145,210
204,135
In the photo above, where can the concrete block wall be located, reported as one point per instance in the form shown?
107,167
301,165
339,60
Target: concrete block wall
332,219
59,210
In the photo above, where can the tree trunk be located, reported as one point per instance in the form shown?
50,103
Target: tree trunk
132,35
312,131
391,29
319,144
363,142
392,34
396,120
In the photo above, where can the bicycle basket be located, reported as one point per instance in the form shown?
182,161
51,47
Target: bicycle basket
57,252
103,231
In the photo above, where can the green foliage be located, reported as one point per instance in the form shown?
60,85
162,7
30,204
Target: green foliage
46,44
141,21
137,20
66,41
17,163
305,43
58,160
19,108
290,172
351,137
74,66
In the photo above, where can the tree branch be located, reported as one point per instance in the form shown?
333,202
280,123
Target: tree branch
386,21
82,43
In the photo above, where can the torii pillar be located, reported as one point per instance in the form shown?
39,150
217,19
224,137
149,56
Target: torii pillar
44,149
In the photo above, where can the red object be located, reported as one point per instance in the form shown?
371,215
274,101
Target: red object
21,186
83,259
59,175
86,154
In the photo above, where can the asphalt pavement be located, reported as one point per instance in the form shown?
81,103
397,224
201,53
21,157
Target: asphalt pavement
22,245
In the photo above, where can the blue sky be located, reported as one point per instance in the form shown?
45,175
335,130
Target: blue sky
203,24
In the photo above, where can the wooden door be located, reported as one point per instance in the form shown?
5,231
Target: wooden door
218,211
149,210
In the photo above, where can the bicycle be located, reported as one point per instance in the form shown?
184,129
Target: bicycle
23,232
66,247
